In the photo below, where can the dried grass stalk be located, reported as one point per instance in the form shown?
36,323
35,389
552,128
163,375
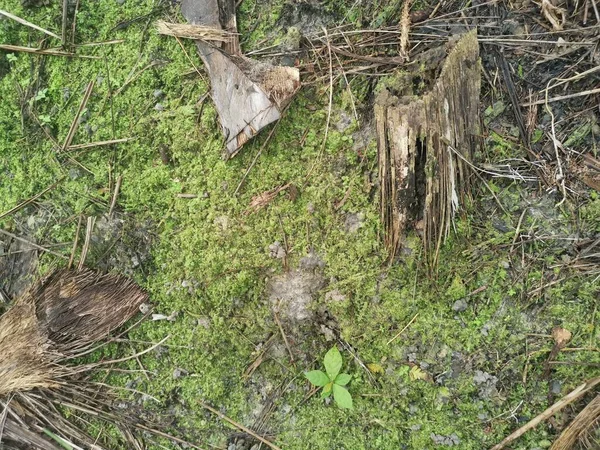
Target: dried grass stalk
188,31
580,427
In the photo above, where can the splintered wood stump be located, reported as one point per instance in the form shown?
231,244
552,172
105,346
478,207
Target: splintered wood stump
248,95
425,145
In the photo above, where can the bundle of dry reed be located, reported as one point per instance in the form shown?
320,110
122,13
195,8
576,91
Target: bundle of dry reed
43,336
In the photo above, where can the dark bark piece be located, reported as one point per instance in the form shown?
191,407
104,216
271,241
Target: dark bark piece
425,146
247,94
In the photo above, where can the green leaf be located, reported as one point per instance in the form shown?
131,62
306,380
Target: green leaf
342,397
333,362
375,368
326,392
317,377
416,373
343,379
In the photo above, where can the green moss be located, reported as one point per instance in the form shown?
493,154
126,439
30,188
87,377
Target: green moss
210,260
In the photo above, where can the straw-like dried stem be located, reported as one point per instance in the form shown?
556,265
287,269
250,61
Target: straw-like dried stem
189,31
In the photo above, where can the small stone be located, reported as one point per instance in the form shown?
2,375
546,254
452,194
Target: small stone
335,296
179,373
74,173
328,333
276,250
353,222
460,306
145,308
158,93
556,387
159,107
203,322
416,427
485,329
312,261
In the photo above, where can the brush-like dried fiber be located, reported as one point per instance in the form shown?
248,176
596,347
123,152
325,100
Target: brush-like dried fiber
583,424
26,360
65,313
80,308
189,31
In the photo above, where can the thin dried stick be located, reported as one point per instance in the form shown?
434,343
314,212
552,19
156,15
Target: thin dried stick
86,245
573,78
75,123
190,60
403,329
39,51
65,7
39,247
75,242
262,147
30,200
74,23
29,24
564,97
328,109
566,400
287,344
115,195
72,148
239,426
556,143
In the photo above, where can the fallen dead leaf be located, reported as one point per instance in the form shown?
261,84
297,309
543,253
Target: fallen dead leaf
561,336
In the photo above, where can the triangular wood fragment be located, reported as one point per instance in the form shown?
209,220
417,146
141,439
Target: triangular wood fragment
247,94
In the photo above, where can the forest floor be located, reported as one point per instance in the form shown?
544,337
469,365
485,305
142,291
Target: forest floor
251,298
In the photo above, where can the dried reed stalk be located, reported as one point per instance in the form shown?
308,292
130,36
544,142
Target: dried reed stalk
188,31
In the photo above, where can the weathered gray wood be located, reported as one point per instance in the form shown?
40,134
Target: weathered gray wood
247,94
425,146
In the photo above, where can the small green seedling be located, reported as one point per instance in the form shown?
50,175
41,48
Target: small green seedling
333,381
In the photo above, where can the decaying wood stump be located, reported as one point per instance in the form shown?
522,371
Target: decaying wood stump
425,144
247,94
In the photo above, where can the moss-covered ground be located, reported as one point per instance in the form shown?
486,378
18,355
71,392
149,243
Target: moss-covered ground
207,258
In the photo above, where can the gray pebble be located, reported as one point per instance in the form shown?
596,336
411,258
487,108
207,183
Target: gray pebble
460,306
179,373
